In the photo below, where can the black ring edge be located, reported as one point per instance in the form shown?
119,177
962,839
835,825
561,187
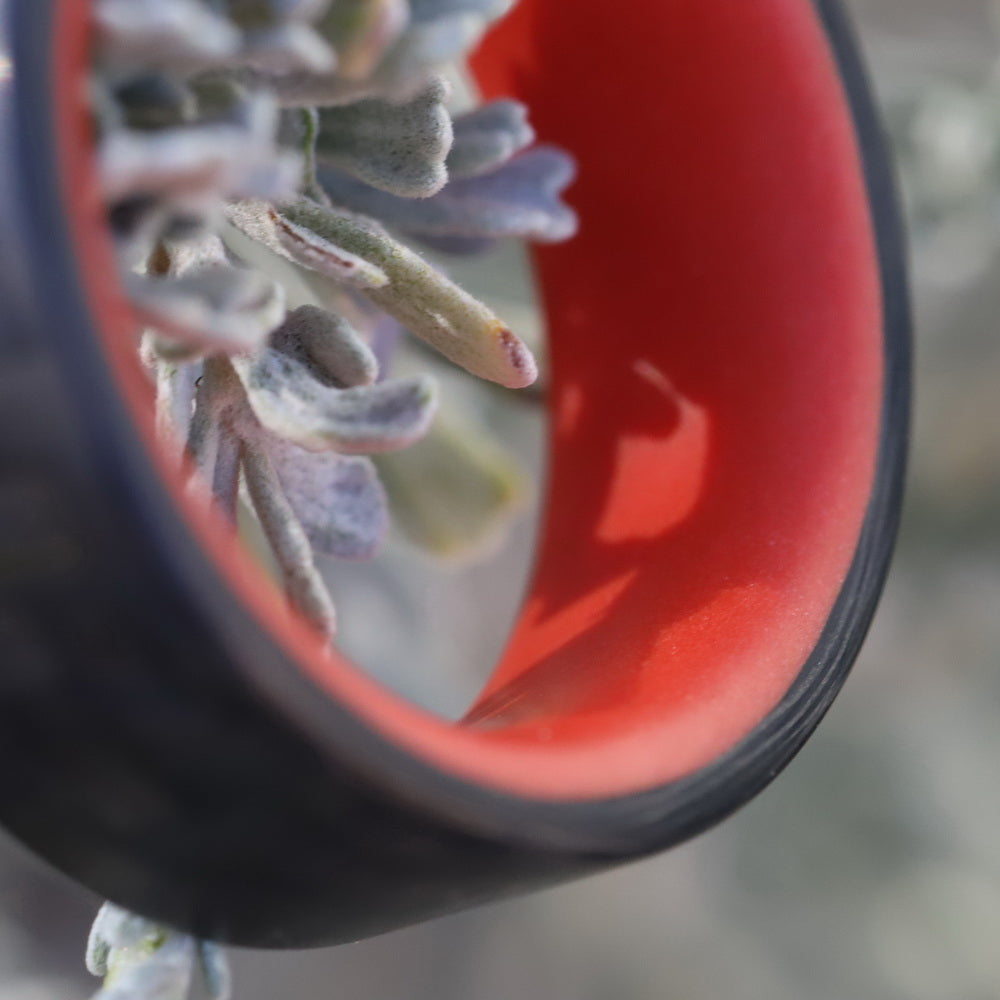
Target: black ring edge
468,845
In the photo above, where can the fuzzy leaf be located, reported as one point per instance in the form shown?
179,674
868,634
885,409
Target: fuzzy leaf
191,258
302,245
520,198
163,974
163,32
140,960
394,147
291,403
141,223
305,588
212,309
487,137
115,928
173,161
105,932
219,158
328,345
338,500
423,300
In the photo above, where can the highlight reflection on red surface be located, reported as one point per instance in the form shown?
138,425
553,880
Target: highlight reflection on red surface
716,339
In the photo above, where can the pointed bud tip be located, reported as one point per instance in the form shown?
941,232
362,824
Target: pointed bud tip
523,369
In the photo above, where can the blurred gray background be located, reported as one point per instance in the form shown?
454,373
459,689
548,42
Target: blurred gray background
871,869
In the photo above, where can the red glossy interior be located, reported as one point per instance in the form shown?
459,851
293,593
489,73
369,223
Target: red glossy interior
717,357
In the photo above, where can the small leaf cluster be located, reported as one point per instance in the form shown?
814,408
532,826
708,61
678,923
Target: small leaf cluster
323,133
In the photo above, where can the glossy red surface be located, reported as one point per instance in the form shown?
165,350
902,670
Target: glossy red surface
717,368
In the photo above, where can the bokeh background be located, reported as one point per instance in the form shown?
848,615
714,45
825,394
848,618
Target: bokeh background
871,869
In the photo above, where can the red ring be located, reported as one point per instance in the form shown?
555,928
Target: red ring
716,335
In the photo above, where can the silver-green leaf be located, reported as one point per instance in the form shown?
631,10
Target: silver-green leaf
338,499
290,402
487,137
212,306
303,245
459,326
521,198
396,147
288,540
328,345
219,159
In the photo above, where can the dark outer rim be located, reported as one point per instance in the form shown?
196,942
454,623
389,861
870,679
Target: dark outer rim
280,819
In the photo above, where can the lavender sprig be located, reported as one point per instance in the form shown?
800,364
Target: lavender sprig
312,128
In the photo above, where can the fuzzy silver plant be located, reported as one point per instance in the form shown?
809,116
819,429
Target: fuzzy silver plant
239,140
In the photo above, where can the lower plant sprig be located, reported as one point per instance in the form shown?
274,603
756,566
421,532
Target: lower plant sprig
142,960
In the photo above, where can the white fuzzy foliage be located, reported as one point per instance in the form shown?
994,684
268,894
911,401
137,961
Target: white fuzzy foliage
520,198
487,137
225,159
291,403
142,960
338,499
212,307
459,326
328,346
303,245
397,147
